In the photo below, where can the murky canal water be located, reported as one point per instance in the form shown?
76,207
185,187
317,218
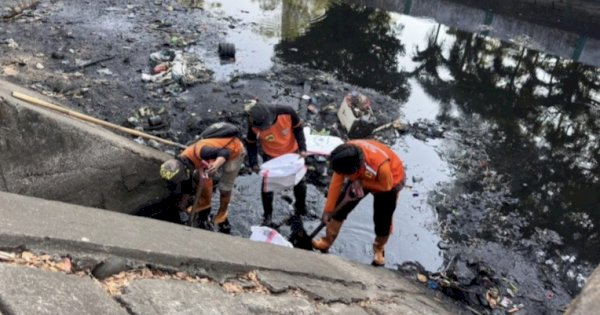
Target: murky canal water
533,116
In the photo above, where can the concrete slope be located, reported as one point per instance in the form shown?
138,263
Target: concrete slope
588,301
60,229
53,156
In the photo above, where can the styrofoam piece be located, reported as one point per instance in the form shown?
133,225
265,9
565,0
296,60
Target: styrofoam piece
321,145
347,116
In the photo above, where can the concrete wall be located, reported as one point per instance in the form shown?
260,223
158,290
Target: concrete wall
588,301
52,156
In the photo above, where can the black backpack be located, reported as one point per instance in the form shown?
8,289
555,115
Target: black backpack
220,130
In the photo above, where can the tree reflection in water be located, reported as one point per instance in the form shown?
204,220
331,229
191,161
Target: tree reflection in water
355,43
544,113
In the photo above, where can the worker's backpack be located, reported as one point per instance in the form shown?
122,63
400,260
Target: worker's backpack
220,130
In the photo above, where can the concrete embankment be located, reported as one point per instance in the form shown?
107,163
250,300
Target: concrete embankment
49,155
588,301
286,280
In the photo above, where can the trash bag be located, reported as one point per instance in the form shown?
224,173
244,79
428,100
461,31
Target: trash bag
268,235
282,172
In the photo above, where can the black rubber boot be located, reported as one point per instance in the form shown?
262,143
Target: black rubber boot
224,227
300,195
202,220
267,201
184,217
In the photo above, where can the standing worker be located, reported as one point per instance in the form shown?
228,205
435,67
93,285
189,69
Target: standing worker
191,173
278,129
367,166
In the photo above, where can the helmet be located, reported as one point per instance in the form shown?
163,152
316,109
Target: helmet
174,171
261,116
346,159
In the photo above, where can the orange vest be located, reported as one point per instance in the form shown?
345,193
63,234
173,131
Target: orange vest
278,139
375,154
234,145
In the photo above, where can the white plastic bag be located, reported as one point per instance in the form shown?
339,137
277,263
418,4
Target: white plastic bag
322,145
268,235
282,172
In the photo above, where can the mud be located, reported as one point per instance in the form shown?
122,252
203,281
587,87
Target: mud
459,204
481,227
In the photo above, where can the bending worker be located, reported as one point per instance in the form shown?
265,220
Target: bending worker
367,166
278,129
191,173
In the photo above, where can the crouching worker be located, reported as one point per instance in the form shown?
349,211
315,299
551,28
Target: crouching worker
278,129
190,174
366,166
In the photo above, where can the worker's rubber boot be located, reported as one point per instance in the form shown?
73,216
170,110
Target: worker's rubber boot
267,201
202,221
184,217
224,227
331,232
300,196
221,215
378,250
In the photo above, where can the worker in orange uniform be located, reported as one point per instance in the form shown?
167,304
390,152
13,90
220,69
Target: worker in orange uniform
278,129
204,159
366,166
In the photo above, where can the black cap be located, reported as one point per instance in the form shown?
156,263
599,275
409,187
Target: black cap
261,116
346,159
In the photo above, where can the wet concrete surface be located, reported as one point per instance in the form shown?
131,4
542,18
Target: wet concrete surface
498,105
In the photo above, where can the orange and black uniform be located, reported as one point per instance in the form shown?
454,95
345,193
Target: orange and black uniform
382,174
200,155
210,149
284,136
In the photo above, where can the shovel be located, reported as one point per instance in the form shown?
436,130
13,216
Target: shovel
300,238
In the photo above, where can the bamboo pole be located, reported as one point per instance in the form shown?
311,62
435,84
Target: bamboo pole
42,103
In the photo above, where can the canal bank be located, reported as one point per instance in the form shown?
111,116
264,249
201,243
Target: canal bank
499,104
172,269
46,154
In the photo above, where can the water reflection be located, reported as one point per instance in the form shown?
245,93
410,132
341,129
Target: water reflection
545,127
356,43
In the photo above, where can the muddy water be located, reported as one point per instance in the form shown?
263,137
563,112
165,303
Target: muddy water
522,124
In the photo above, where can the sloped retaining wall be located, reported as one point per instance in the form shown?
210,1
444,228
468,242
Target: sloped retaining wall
53,156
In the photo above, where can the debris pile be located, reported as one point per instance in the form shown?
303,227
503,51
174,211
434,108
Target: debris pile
172,71
473,282
154,121
423,129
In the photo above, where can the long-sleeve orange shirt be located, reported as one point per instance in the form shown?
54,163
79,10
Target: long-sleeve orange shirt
381,171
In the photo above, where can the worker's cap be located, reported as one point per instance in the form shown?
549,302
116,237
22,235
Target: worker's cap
261,116
174,171
346,159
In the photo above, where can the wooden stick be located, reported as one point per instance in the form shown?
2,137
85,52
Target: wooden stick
93,63
42,103
20,8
